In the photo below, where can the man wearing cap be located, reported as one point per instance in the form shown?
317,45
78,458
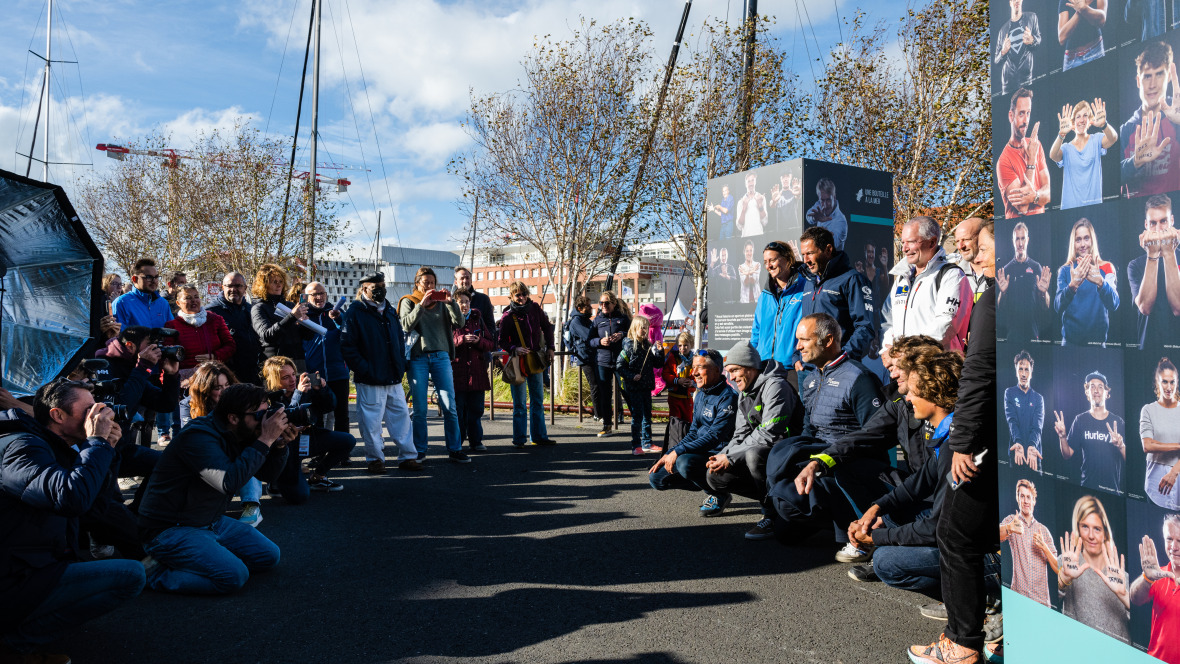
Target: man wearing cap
373,346
1098,435
714,409
768,410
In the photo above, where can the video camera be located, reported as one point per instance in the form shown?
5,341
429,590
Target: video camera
161,336
106,391
299,416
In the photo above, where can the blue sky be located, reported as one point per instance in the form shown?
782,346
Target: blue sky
186,66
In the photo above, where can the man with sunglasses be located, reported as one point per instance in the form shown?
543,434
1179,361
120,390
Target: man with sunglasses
234,307
182,518
143,305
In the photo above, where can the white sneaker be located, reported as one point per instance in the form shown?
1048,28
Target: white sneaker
251,515
853,554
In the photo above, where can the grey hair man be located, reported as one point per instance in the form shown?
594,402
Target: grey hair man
930,295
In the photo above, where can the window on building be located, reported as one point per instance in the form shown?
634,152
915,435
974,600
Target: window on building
516,274
534,273
544,272
479,276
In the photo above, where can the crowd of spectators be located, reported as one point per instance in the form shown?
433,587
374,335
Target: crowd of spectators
256,385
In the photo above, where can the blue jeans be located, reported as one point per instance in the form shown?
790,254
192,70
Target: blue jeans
166,421
1071,61
85,591
333,446
209,561
640,416
689,473
251,491
917,568
436,365
536,410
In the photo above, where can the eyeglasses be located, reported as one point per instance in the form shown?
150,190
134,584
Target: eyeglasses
150,277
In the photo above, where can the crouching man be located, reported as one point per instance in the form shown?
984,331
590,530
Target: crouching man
182,518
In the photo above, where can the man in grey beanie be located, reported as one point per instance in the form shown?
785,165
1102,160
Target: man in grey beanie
769,410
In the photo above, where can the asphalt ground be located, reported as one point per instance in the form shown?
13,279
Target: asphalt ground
548,554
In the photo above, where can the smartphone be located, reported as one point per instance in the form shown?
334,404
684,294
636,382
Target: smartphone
303,298
950,476
315,379
439,295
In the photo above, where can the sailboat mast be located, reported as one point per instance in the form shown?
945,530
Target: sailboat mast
48,59
315,108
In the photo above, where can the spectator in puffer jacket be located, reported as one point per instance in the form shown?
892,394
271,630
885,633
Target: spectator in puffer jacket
473,342
280,334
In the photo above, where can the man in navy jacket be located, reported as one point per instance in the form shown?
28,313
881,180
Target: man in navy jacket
54,470
714,415
835,289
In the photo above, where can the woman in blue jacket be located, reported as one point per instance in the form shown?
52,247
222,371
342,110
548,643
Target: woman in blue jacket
780,305
610,327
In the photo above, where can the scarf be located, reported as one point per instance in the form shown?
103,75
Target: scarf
519,309
379,307
196,320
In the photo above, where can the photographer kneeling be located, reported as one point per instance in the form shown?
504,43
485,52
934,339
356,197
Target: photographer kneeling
327,448
54,471
182,519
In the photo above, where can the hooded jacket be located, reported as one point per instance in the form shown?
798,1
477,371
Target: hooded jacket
776,316
844,294
140,386
373,344
714,410
769,412
936,301
927,485
200,471
636,364
578,330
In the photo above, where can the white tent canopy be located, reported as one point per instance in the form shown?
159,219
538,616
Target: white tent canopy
678,311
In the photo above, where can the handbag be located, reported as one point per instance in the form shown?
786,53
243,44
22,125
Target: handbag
514,373
534,362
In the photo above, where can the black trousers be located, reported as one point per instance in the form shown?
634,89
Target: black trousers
590,374
340,391
968,530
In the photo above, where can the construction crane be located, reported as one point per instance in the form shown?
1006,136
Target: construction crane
172,158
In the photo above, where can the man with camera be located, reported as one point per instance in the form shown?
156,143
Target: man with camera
53,472
182,519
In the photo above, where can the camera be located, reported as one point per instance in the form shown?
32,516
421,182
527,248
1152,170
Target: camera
106,391
161,336
299,416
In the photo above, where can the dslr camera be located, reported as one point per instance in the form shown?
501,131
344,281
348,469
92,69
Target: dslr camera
106,391
299,416
162,338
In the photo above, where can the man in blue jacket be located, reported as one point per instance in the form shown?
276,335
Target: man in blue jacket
834,288
143,304
374,347
53,470
1024,410
714,415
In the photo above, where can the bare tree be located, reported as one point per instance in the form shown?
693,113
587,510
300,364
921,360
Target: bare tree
699,134
554,159
925,117
219,210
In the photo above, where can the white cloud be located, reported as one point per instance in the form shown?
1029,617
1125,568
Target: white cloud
435,143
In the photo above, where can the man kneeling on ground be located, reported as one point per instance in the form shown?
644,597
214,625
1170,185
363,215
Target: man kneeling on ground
182,520
768,410
713,411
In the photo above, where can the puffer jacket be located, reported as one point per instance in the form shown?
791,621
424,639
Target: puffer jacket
605,326
776,316
279,335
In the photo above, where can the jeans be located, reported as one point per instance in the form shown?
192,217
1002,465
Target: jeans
168,421
917,568
1070,61
688,473
640,416
216,560
333,446
745,476
470,407
251,491
85,591
535,414
137,461
436,365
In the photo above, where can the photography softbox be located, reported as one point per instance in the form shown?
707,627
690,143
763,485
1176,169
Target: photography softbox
52,282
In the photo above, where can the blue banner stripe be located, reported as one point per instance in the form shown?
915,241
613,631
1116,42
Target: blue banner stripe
865,219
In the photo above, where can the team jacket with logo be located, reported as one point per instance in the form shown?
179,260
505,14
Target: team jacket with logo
923,303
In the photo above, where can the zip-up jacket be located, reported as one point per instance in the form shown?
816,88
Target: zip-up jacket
372,344
936,301
679,398
198,474
244,362
776,317
893,424
769,412
534,325
637,360
1025,413
604,326
323,354
714,410
578,330
1085,312
927,485
140,385
846,295
145,308
974,427
840,398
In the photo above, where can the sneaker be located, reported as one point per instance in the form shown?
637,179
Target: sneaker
421,456
638,451
479,447
101,551
993,628
851,553
519,446
272,489
761,530
324,484
934,611
410,464
376,466
543,442
862,572
604,432
251,515
163,439
943,651
652,449
459,457
993,653
149,566
714,505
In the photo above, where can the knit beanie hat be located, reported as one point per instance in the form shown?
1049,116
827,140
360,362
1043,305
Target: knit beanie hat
744,355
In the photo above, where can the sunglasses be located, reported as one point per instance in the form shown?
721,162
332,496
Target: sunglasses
777,247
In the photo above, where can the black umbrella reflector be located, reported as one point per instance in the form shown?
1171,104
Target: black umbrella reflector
52,283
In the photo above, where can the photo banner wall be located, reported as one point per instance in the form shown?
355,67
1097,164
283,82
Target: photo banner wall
747,210
1085,116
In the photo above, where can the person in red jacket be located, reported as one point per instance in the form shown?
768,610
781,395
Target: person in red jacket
203,334
677,366
473,342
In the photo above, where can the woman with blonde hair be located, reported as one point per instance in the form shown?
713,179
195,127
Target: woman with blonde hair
1081,158
635,363
525,329
1092,581
1087,289
279,334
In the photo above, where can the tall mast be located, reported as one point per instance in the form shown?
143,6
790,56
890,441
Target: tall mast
48,59
315,108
